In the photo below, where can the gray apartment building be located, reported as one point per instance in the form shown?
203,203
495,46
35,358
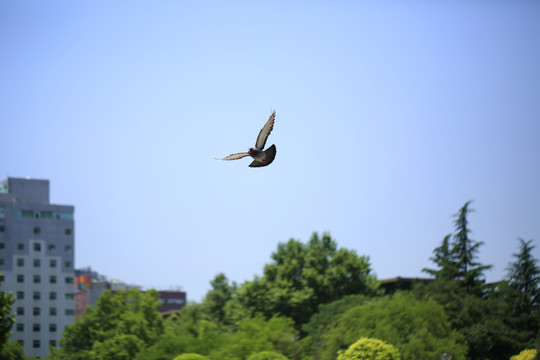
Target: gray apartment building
36,262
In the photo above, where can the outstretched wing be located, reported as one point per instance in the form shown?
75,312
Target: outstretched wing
270,156
235,156
265,131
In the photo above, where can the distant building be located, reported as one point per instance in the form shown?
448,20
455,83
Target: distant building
37,262
90,285
81,303
171,301
398,283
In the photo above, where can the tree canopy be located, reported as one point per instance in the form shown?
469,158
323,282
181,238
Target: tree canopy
303,276
119,327
456,257
267,355
9,350
489,316
370,349
521,292
257,334
189,332
419,329
527,354
6,317
190,356
314,301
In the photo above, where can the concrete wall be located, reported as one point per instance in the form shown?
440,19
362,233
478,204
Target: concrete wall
37,262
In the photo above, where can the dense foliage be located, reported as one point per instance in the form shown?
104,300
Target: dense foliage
314,300
370,349
119,327
267,355
190,356
523,293
9,350
418,329
497,320
12,350
325,319
527,354
255,334
189,332
6,318
303,276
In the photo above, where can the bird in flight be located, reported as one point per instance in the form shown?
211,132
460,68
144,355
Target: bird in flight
260,157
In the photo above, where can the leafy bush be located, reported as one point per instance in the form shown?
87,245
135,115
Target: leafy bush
118,347
528,354
118,327
267,355
418,329
370,349
190,356
257,334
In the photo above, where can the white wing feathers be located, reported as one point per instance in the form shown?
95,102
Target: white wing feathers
265,131
235,156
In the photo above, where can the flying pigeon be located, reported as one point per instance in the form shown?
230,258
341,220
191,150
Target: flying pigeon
260,157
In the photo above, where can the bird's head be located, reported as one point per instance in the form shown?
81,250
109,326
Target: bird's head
252,151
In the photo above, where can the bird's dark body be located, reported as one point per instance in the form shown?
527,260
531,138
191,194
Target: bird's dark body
260,157
263,158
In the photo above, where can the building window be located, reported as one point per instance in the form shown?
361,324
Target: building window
2,245
20,262
20,327
69,296
68,264
37,230
37,295
52,295
20,295
52,248
20,278
2,228
21,342
69,280
64,216
52,263
69,312
37,279
20,310
37,263
176,301
52,327
27,213
36,344
68,248
36,311
37,247
52,343
52,279
2,262
46,214
52,311
37,327
20,246
67,231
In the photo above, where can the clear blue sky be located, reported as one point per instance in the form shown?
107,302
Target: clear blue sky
390,116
